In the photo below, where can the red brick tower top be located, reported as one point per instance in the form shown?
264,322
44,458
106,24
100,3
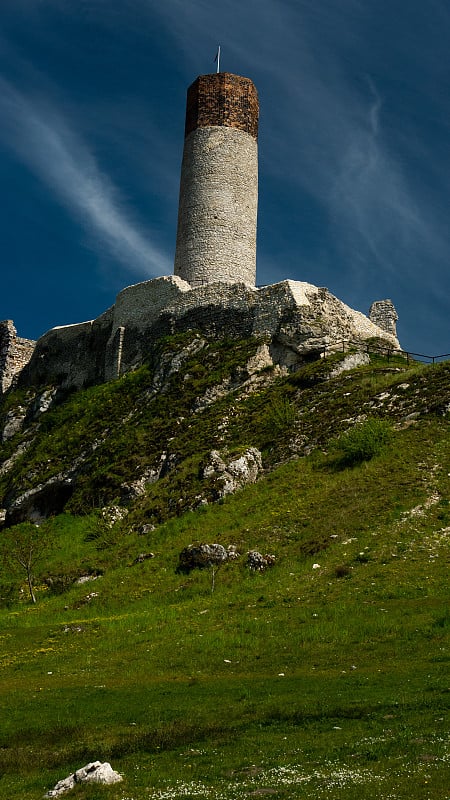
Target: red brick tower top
222,99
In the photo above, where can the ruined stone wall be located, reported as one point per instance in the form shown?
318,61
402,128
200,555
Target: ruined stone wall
15,352
216,236
296,319
72,356
383,314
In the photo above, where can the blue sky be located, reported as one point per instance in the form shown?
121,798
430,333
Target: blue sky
354,149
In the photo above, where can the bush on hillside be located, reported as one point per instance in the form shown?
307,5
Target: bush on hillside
363,442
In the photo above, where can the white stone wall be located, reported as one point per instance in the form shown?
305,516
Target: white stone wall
216,238
139,305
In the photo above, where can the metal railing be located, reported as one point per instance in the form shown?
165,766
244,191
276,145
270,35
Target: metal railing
387,352
344,344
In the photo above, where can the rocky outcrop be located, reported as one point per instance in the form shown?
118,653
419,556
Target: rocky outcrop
237,473
350,362
296,320
15,352
13,422
36,504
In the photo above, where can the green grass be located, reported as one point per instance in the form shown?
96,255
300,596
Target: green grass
294,680
324,677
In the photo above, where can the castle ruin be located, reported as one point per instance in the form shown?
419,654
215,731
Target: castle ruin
213,289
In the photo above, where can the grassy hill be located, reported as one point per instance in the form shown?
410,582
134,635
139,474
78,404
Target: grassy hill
325,676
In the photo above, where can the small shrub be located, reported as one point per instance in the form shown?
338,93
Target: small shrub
282,415
363,442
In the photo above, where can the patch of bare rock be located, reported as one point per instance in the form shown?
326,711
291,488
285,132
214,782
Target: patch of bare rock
95,772
201,556
234,475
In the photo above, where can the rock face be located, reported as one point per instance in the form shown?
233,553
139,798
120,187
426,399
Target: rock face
13,423
95,772
350,362
15,352
236,474
297,321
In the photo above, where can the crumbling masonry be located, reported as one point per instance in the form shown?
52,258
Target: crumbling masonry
15,352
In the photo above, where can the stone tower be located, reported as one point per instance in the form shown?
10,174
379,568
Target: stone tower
216,237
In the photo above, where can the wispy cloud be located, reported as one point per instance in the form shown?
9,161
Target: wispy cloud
43,140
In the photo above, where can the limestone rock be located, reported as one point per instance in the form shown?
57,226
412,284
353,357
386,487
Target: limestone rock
295,319
6,465
13,422
113,514
258,562
201,556
234,475
143,557
43,500
170,364
350,362
138,487
146,528
43,402
95,772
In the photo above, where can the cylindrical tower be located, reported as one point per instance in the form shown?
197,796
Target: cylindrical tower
216,237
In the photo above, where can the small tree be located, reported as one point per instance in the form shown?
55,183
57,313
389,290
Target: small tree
24,546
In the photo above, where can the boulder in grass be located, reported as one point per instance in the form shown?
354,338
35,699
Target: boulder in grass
95,772
258,562
201,556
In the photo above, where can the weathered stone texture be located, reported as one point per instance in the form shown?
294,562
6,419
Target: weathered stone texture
222,99
234,474
296,320
295,316
383,314
202,556
70,356
141,304
216,237
15,352
95,772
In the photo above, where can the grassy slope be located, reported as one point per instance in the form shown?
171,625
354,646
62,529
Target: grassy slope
327,681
